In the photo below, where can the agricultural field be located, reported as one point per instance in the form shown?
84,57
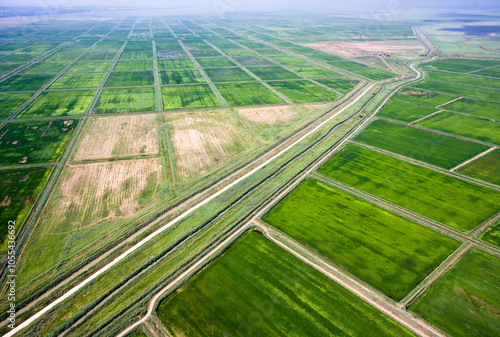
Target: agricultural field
460,90
181,76
458,65
10,102
289,60
315,71
214,62
465,301
25,82
228,75
120,136
130,79
45,67
204,141
59,103
464,79
303,91
465,126
381,248
136,55
78,81
423,97
89,195
404,112
18,193
343,86
273,73
34,142
134,65
188,97
253,93
439,150
288,298
486,168
175,63
438,196
257,61
126,100
492,235
373,74
90,66
475,107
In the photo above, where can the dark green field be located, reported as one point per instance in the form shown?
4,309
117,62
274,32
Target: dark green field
344,86
10,102
25,82
130,79
59,103
373,74
134,65
124,100
188,96
405,112
253,93
18,192
303,91
34,142
185,76
213,62
464,79
466,126
461,90
424,97
228,75
273,73
492,235
78,81
381,248
466,300
438,196
439,150
486,168
475,107
45,67
446,66
258,289
315,71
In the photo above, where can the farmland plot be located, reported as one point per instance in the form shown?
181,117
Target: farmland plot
475,107
213,62
438,196
188,96
344,86
10,102
424,97
288,298
464,79
315,71
130,79
134,65
181,76
486,168
389,252
303,91
253,93
228,75
45,67
175,63
405,112
78,81
111,137
273,73
492,235
125,100
25,82
59,103
89,66
373,74
461,90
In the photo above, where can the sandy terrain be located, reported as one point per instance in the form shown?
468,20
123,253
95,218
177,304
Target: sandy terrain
119,136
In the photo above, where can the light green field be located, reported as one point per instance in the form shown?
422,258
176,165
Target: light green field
253,93
381,248
89,66
475,107
273,73
492,235
45,67
404,112
464,79
438,196
461,90
303,91
175,63
10,102
134,65
486,168
315,71
287,298
424,97
188,96
78,81
185,76
59,103
130,78
124,100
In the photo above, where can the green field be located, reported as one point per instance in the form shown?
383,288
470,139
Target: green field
89,66
102,56
424,97
136,55
439,150
273,73
315,71
486,168
381,248
465,301
466,126
373,74
45,67
444,65
492,235
240,94
181,76
344,86
205,53
130,79
134,65
303,91
228,75
213,62
175,63
18,192
124,100
59,103
10,102
258,289
25,82
438,196
289,60
461,90
348,65
464,79
475,107
468,62
188,96
78,81
256,61
405,112
34,142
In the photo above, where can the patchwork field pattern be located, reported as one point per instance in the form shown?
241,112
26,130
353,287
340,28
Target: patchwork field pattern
59,103
126,100
188,96
486,168
405,112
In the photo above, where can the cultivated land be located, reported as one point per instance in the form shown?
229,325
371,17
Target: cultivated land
466,300
423,97
59,103
253,93
486,168
25,82
10,102
78,81
126,100
439,150
492,235
389,252
303,91
288,298
460,89
188,97
446,199
475,107
405,112
122,136
344,86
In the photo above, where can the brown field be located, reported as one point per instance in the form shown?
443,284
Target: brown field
276,114
357,49
92,193
205,140
119,136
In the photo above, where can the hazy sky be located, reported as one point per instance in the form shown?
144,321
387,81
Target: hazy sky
265,5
